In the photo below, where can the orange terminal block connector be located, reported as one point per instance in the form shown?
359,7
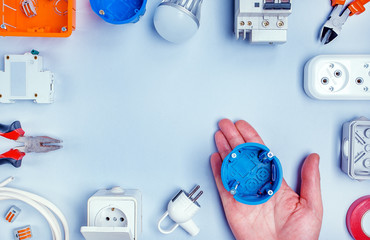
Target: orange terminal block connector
23,233
12,214
37,18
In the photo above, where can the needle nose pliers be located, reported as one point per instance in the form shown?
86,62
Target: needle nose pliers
15,132
338,17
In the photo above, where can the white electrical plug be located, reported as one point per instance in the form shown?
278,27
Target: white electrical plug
113,214
181,210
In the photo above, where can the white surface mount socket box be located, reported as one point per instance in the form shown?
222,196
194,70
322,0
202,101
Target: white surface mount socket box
266,21
24,79
338,77
356,149
113,214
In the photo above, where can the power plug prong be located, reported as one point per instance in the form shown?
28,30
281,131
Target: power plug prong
193,191
198,196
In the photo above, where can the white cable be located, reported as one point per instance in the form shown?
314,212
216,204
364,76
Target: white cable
45,207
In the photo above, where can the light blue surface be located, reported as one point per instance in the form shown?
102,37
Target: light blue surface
148,123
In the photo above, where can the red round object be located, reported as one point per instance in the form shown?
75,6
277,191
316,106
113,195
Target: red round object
354,217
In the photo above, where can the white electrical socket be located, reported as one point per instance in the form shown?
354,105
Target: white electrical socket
113,214
338,77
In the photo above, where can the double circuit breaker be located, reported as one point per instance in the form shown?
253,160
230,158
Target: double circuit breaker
265,21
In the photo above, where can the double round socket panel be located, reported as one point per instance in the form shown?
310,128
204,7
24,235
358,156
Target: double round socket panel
338,77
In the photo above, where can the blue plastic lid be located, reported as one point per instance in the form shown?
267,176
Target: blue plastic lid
119,11
251,173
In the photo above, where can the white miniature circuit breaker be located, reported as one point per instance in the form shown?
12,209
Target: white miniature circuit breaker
356,149
266,21
24,79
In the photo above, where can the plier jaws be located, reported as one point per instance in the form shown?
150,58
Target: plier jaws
334,24
338,16
30,144
38,144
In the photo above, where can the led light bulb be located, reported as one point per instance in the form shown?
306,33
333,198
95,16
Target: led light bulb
177,20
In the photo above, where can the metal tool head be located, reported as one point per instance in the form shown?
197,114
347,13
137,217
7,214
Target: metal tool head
39,144
333,26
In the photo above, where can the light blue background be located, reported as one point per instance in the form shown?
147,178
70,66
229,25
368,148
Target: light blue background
136,111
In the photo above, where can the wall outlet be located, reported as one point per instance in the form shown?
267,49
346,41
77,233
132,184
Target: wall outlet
338,77
113,214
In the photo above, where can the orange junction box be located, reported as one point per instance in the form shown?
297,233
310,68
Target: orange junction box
37,18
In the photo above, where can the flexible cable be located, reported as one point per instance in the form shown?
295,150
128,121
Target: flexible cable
47,209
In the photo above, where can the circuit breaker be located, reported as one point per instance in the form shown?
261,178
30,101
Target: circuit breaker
265,21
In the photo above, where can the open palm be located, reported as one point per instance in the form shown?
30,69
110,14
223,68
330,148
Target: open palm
286,215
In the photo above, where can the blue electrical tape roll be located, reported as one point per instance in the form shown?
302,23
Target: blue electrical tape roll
251,173
119,11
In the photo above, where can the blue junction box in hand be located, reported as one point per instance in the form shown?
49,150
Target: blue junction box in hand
251,173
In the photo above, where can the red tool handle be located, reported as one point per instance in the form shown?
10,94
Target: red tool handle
357,7
13,157
12,131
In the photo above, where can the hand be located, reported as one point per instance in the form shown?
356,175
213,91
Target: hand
286,215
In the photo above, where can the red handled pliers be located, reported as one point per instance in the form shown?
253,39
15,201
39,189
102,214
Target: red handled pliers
339,16
15,132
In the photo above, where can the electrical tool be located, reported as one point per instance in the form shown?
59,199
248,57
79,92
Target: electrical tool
338,16
15,132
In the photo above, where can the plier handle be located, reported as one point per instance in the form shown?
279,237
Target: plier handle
15,155
356,7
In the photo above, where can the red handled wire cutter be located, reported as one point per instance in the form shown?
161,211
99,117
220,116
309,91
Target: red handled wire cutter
15,132
338,16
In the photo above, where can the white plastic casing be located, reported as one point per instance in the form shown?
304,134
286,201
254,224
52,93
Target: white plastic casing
338,77
263,25
356,149
24,79
104,206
